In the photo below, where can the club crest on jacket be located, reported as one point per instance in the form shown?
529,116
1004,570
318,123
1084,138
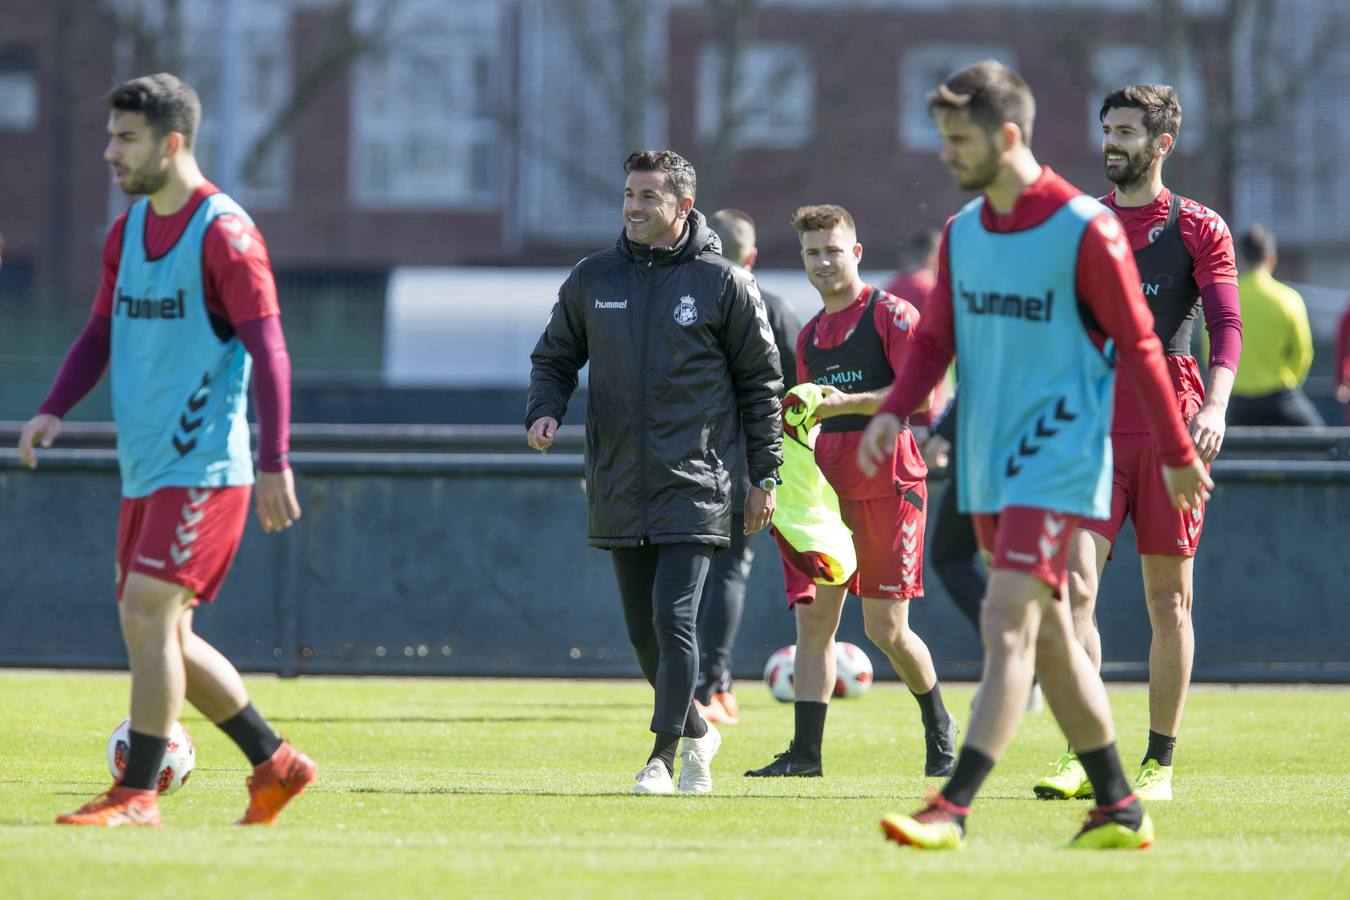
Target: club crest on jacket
686,311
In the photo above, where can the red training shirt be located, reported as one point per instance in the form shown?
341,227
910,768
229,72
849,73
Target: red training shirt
1107,281
896,321
1210,244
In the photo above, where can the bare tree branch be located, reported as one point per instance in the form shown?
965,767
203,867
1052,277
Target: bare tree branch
342,45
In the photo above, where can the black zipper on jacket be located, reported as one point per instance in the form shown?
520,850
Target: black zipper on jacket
642,406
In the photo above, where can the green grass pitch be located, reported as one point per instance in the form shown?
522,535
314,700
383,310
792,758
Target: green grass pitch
483,788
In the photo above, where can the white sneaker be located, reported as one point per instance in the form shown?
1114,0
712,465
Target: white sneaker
696,756
1036,699
654,779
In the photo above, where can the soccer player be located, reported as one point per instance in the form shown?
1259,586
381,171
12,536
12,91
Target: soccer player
681,354
1184,253
719,613
853,348
1026,270
187,306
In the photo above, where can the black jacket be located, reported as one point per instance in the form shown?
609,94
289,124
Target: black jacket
785,325
680,349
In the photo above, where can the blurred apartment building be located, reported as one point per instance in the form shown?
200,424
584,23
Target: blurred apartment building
373,133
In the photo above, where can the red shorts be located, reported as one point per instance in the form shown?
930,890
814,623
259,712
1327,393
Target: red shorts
800,587
1138,491
888,536
1028,539
186,536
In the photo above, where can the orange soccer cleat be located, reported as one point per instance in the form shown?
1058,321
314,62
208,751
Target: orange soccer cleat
117,806
713,711
275,782
728,701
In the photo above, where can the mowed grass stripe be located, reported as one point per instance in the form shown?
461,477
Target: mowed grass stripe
472,788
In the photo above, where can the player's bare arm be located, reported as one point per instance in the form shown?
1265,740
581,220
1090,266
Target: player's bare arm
866,403
1208,427
42,428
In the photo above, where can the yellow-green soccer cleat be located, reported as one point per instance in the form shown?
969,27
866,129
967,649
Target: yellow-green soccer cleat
1069,781
934,827
1154,781
1100,832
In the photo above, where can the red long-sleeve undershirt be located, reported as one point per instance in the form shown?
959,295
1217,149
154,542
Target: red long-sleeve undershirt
1107,281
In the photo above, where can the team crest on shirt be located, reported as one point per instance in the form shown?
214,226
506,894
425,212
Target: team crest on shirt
686,311
1156,232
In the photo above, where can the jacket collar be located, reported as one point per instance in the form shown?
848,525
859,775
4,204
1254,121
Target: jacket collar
697,238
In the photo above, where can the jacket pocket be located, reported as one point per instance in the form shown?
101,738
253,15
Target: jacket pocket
721,480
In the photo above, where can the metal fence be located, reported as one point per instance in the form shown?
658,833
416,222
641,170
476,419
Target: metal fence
449,551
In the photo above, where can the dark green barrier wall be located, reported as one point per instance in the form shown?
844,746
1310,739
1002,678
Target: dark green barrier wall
476,564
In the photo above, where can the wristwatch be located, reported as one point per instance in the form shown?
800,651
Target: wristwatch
768,484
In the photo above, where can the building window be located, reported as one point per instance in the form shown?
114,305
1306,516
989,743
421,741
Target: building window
772,99
923,69
425,109
260,75
18,91
1115,67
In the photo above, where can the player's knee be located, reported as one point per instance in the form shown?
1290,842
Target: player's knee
1082,593
145,623
1169,607
886,633
1051,644
814,626
1005,627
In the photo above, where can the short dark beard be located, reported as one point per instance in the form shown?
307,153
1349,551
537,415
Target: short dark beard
144,183
1133,173
981,178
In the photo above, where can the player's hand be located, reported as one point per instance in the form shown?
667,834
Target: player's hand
832,403
878,440
1207,430
759,506
937,452
541,433
1188,486
44,427
1343,392
276,506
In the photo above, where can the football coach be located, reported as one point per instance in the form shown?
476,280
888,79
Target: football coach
681,353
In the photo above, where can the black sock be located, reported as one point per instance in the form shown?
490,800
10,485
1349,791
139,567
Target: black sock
250,731
809,729
664,750
1108,778
972,768
1160,747
694,726
143,759
931,709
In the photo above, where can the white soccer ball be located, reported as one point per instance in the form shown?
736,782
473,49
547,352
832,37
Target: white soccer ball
778,673
179,756
852,670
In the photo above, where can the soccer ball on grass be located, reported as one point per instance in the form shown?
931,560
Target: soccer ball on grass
174,769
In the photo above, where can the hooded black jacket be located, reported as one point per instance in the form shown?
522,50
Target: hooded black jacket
679,347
